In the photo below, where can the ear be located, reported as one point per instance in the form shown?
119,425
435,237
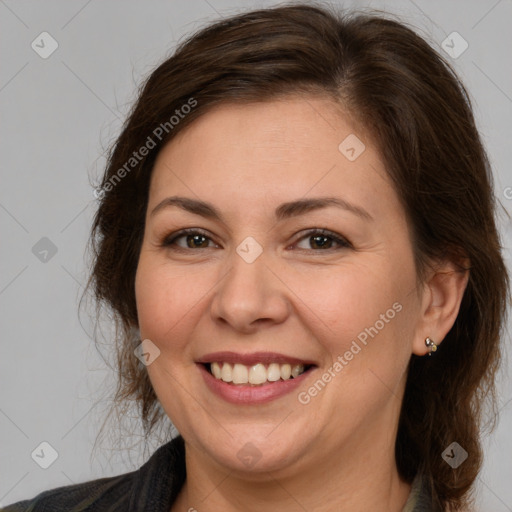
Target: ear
441,298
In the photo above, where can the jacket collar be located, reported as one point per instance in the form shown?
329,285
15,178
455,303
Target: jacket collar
157,483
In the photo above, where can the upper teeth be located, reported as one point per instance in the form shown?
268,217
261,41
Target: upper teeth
256,374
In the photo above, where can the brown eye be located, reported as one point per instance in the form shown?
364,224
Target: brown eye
188,239
322,240
196,241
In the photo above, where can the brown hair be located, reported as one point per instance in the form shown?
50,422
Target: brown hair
420,117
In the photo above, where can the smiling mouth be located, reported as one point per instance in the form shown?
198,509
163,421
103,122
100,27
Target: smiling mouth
257,374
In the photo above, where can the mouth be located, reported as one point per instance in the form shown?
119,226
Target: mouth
257,374
253,378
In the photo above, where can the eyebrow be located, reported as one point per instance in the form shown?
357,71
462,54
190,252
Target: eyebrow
284,211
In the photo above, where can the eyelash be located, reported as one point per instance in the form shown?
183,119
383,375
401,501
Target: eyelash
169,241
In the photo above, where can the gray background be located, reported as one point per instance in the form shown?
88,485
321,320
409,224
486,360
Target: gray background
58,116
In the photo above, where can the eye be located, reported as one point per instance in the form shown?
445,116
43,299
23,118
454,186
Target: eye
314,239
188,239
322,239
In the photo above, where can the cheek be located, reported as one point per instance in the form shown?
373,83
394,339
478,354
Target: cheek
370,317
164,297
368,314
346,299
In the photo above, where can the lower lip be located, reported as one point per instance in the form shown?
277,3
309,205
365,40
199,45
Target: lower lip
249,394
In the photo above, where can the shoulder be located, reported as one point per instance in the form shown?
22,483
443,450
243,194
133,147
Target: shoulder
420,498
154,485
102,494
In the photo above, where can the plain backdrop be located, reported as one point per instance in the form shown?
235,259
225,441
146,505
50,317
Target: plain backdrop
58,115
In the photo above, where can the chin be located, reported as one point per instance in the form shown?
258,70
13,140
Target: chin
256,451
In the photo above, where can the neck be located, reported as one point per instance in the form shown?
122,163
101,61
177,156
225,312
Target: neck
369,482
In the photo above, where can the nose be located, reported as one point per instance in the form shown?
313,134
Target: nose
249,296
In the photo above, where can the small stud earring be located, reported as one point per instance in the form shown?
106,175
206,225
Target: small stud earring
429,343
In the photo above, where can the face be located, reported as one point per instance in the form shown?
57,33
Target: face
297,258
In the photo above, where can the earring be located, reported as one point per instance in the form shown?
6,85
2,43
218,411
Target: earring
429,343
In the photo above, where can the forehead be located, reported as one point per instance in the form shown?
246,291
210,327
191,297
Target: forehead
287,148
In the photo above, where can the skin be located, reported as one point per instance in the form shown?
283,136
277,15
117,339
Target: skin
335,453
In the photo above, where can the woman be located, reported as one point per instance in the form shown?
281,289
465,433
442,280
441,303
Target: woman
296,234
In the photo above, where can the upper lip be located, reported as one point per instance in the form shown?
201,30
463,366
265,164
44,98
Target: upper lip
252,358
